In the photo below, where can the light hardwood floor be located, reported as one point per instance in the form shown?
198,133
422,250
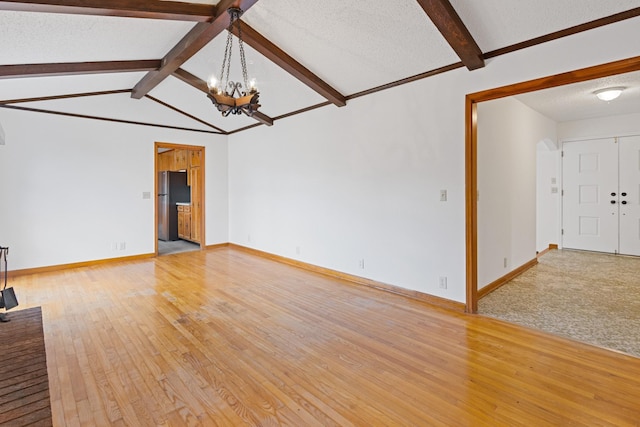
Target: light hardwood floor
223,337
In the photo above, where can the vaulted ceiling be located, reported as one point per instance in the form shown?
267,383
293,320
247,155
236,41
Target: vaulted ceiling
150,59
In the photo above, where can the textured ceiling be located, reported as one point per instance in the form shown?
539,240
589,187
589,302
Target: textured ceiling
47,37
499,23
34,87
354,45
577,101
351,46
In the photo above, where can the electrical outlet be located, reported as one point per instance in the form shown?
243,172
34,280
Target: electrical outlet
505,262
122,246
443,282
146,195
298,250
443,195
361,264
248,237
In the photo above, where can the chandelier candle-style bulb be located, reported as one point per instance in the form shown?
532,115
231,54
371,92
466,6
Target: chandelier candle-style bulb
228,96
212,84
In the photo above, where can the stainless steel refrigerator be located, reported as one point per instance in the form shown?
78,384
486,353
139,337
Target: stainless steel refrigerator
172,189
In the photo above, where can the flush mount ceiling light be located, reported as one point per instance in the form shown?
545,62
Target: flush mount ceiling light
609,94
226,95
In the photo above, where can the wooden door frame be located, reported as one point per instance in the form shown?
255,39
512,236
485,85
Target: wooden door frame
174,146
471,149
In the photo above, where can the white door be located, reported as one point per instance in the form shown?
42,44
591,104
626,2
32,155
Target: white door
629,195
590,195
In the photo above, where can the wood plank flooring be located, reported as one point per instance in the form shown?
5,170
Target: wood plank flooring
24,388
223,337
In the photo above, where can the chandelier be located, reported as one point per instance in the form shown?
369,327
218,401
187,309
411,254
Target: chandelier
226,95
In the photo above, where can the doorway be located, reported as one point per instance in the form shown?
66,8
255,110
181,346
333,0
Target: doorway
179,214
601,203
471,166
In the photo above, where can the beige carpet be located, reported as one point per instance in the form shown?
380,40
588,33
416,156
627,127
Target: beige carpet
585,296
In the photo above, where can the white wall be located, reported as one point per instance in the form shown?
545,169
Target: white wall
508,133
548,201
600,127
363,181
71,188
343,189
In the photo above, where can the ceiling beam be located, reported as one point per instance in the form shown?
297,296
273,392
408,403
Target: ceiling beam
607,20
106,119
448,22
192,80
126,8
72,68
184,113
196,39
279,57
262,118
67,96
201,85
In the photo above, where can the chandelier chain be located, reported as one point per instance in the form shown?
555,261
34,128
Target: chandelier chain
226,62
243,61
228,97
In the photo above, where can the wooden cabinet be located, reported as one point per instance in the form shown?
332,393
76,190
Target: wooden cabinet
187,223
194,181
181,222
184,222
181,160
174,160
194,157
165,161
194,161
196,203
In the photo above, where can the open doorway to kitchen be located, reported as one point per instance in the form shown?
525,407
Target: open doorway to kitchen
179,213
